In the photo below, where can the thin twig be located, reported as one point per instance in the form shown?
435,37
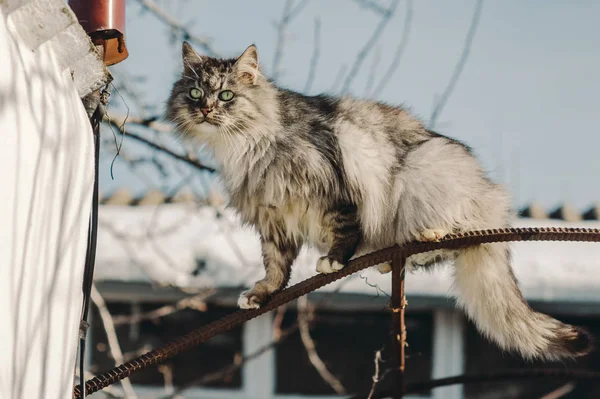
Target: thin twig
372,5
280,39
338,79
312,70
311,348
278,338
111,336
277,321
170,20
289,13
376,374
443,99
228,370
151,123
196,302
126,83
528,374
167,373
372,71
369,45
385,80
560,391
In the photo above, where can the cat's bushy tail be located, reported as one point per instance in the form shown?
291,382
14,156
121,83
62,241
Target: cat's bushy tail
488,292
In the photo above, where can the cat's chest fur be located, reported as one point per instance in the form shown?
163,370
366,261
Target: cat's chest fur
280,204
300,221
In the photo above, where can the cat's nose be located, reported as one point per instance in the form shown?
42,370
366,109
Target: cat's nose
205,111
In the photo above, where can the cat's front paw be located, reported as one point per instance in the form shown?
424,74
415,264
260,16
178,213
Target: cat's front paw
326,265
251,299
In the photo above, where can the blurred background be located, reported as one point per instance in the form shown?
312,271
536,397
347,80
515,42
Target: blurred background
515,80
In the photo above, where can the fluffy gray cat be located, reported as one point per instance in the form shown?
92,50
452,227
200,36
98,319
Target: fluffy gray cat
350,176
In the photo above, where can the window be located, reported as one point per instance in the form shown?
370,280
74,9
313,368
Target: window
347,342
483,356
185,368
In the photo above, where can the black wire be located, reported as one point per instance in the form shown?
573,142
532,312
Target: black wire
90,257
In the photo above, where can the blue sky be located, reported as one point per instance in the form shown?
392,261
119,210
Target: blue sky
527,101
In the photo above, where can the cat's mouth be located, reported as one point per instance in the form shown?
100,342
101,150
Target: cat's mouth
208,120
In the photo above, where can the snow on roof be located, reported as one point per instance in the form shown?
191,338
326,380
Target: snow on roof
186,245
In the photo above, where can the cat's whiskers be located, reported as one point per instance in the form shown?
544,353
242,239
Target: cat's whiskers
238,146
226,132
184,125
247,127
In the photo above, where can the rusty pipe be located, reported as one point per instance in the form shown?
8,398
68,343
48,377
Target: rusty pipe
104,22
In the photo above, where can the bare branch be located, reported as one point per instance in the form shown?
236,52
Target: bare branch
441,102
372,72
312,70
383,83
369,45
177,26
237,251
126,83
311,348
111,335
152,123
372,5
232,368
296,10
560,391
196,302
277,320
289,13
280,39
376,374
167,372
338,78
280,337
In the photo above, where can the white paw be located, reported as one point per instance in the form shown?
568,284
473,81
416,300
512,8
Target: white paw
384,268
430,235
326,265
247,301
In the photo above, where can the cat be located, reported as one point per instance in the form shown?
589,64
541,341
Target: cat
350,176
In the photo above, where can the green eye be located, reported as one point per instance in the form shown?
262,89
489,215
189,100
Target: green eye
195,93
226,95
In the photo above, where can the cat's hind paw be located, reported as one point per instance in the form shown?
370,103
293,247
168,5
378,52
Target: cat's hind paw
326,265
384,268
431,235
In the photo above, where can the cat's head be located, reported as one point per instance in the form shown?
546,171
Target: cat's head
218,97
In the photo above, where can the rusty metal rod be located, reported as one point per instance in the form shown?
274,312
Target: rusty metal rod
385,255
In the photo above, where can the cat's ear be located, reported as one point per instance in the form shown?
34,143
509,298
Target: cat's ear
246,65
190,56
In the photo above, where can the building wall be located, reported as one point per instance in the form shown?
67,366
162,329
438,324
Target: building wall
46,169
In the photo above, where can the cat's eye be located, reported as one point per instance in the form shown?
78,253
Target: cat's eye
195,93
226,95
